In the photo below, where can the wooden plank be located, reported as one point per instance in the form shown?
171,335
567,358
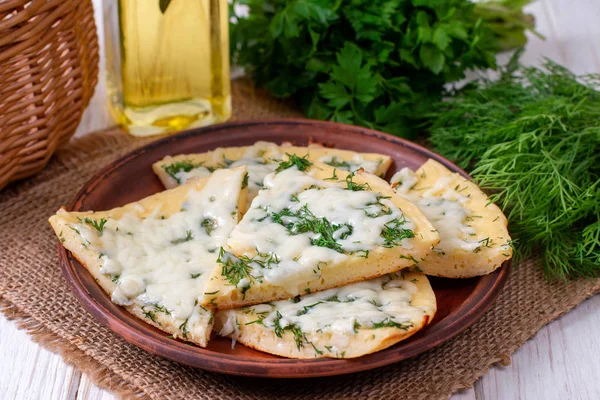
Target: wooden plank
561,362
465,394
89,391
27,371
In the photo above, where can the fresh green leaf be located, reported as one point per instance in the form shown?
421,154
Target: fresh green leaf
336,94
441,38
432,58
336,59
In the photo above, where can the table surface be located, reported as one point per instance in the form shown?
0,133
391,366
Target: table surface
561,362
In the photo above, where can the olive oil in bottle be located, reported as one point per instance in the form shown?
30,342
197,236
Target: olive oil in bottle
167,64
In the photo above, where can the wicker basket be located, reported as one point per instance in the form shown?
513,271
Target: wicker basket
48,70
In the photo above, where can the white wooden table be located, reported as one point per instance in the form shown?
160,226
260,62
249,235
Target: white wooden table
561,363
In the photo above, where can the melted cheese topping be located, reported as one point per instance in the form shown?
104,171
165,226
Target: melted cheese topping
356,163
163,262
383,302
445,207
254,159
289,255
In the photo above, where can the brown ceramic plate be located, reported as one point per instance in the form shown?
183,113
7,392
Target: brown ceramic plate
460,301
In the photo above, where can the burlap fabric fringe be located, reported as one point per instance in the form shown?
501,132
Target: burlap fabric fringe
35,295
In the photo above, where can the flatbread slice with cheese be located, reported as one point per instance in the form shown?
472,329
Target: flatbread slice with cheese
154,256
316,229
474,239
261,159
345,160
345,322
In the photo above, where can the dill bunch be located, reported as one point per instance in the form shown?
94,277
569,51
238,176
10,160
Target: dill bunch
533,139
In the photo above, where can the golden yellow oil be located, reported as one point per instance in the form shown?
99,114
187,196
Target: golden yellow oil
167,68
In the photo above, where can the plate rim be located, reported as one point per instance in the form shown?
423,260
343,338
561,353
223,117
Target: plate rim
229,364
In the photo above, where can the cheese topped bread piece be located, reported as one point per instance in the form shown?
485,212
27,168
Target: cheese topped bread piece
154,256
313,227
474,239
345,160
261,159
345,322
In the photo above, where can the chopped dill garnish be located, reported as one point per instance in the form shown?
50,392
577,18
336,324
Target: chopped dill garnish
304,221
333,177
245,181
180,166
234,269
306,309
487,242
294,329
389,323
197,275
375,303
149,314
98,225
209,225
161,309
266,260
334,162
393,233
187,238
301,163
261,315
317,351
409,257
383,209
362,253
225,163
183,328
356,187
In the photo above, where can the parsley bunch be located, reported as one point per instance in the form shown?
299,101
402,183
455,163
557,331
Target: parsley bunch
533,138
376,63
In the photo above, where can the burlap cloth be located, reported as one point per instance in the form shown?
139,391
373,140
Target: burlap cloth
35,295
